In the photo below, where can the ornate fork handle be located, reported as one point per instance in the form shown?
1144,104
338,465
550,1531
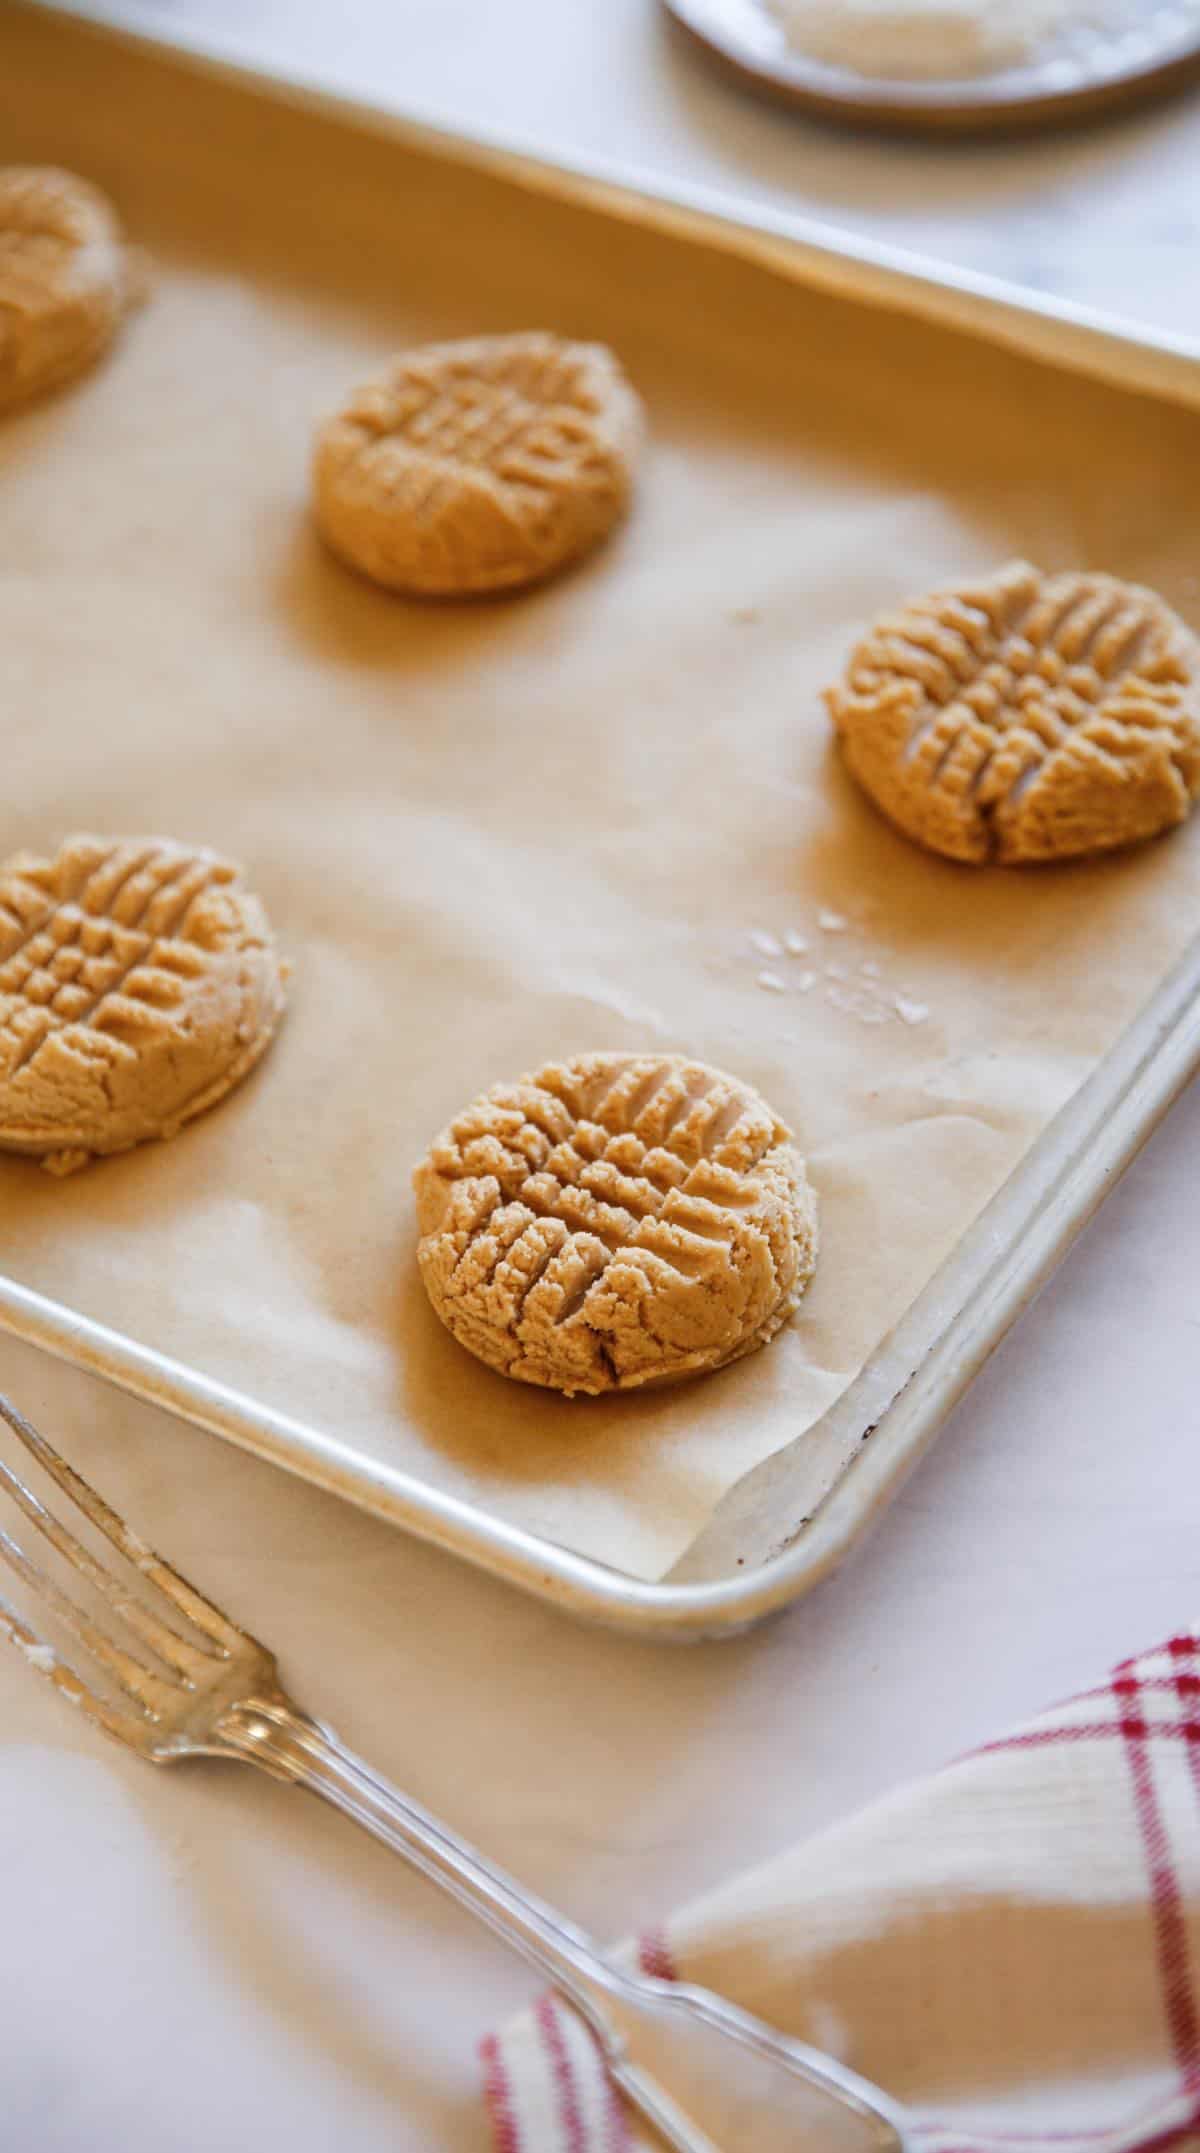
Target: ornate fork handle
658,2039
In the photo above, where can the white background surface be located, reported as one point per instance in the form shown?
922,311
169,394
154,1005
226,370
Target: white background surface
204,1960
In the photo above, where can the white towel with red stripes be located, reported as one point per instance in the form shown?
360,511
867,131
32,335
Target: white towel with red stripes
1010,1947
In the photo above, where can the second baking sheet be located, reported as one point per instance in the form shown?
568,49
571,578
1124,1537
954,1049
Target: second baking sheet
489,836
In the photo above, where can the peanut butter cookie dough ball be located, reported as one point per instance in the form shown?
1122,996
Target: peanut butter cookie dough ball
65,280
1020,716
478,467
615,1221
139,983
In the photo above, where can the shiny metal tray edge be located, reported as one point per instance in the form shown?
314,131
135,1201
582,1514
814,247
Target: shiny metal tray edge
1059,332
899,1401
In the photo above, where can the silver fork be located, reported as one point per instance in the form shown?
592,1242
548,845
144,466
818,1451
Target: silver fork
706,2076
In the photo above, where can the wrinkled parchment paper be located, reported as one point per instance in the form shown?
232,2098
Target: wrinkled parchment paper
493,834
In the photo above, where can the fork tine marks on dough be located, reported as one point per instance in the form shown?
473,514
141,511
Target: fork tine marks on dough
670,1227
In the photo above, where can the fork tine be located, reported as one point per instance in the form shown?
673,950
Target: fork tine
186,1659
173,1587
146,1688
123,1726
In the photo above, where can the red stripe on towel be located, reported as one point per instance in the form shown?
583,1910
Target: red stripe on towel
574,2136
1170,1926
1185,1639
655,1956
1186,1681
497,2094
1096,1730
1149,1683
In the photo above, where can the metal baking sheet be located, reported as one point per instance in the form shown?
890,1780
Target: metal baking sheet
763,1547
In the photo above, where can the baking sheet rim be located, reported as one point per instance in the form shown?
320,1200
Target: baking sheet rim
1058,332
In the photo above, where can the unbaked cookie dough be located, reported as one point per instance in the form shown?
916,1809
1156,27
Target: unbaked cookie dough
64,279
139,982
615,1221
479,466
1020,716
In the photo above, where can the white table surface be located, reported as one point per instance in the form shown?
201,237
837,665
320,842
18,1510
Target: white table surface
201,1960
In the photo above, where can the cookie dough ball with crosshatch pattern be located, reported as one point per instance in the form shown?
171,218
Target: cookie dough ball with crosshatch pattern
1020,716
479,466
64,279
615,1221
139,983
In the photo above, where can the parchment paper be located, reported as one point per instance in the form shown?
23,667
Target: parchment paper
489,835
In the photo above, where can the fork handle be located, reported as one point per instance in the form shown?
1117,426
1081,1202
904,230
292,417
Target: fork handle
662,2043
286,1741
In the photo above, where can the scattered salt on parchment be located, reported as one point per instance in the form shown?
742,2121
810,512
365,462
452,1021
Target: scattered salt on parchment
852,1000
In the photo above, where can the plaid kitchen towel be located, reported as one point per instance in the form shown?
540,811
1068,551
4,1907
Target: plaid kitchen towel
1010,1947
